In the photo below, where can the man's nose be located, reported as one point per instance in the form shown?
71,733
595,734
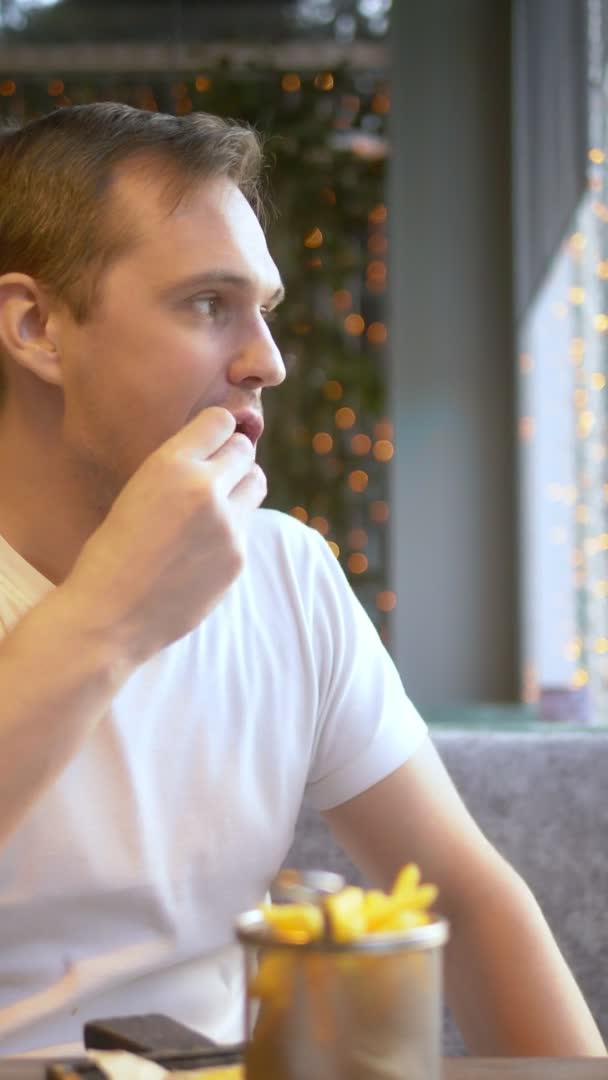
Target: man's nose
259,361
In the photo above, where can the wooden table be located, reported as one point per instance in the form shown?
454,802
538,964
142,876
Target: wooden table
525,1069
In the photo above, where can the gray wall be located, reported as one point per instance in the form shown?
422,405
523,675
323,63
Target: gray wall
452,355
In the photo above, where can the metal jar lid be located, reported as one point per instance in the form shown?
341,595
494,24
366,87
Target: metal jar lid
252,929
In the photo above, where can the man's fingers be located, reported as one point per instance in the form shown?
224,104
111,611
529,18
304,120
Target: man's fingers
204,435
251,491
231,463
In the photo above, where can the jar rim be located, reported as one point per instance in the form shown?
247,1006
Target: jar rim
252,930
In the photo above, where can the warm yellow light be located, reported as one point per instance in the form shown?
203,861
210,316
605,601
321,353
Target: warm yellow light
381,103
386,601
602,270
580,398
333,390
600,322
342,300
383,450
357,538
322,443
601,646
360,444
377,244
598,380
600,210
585,424
603,542
300,513
379,511
527,428
55,88
357,562
577,242
324,81
573,649
582,514
601,589
202,83
334,548
345,418
358,480
577,348
596,155
314,238
7,88
376,270
321,524
377,333
580,678
354,325
576,295
378,215
291,82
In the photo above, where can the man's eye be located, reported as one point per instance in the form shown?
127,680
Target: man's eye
208,306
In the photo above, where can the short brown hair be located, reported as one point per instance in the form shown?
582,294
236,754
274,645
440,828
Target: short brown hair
55,173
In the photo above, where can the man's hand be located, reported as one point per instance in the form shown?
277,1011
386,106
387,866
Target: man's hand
173,541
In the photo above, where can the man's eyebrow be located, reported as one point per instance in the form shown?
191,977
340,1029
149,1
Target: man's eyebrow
222,277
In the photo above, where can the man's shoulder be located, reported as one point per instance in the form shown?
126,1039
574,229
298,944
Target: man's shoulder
275,529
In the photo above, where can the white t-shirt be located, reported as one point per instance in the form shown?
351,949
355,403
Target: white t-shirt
118,892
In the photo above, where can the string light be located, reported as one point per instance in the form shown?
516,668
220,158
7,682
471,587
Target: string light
314,238
383,450
321,524
378,215
345,418
324,81
379,511
55,88
384,429
354,325
580,678
377,244
576,295
600,322
358,538
377,333
598,380
358,480
342,300
291,83
300,513
202,83
527,428
596,155
7,88
333,390
386,601
322,443
360,444
357,562
334,548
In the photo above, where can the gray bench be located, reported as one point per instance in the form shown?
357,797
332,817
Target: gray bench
542,799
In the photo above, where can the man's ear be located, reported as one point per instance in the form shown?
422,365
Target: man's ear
26,331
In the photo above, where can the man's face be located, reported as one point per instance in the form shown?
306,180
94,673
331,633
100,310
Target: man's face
180,324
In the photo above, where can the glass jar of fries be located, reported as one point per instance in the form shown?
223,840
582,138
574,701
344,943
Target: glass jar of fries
349,988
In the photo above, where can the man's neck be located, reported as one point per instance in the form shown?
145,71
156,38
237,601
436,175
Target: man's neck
44,512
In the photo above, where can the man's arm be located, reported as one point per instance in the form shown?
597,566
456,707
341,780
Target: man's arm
506,981
164,556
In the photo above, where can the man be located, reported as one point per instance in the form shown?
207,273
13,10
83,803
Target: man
178,669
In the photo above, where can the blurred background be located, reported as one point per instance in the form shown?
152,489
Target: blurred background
439,173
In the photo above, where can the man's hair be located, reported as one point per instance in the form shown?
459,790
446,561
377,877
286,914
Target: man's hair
57,222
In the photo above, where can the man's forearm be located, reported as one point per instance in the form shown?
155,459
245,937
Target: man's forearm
58,674
508,986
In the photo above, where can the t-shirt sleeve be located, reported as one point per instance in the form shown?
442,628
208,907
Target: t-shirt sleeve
366,725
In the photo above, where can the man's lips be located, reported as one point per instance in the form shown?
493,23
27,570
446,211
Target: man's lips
250,423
